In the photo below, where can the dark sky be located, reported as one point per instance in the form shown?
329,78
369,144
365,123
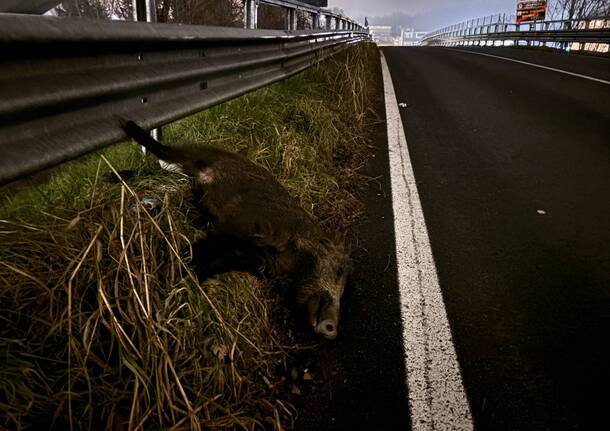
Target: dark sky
425,14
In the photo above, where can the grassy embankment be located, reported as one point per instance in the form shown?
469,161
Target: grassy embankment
104,325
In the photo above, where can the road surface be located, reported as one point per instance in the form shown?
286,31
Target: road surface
512,165
511,162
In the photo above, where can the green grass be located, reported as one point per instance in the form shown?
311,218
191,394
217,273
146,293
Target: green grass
104,324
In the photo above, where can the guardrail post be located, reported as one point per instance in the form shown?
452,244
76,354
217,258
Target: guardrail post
315,21
291,18
295,22
250,13
531,27
146,11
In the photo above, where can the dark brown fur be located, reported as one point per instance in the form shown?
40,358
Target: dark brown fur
256,226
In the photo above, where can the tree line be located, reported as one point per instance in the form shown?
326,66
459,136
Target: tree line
580,9
226,13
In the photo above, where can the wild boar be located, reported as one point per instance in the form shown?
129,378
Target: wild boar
256,226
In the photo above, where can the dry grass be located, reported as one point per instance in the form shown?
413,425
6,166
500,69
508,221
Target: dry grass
105,326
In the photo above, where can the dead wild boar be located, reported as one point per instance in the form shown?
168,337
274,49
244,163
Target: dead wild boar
256,226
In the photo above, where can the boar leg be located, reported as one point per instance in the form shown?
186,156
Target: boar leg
219,254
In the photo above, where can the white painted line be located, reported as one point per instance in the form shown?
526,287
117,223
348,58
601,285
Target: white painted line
578,75
437,399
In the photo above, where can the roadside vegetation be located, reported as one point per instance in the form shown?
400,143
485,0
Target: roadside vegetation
103,323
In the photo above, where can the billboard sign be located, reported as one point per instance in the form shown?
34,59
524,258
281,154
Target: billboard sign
531,10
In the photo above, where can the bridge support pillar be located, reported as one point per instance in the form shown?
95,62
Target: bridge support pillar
250,13
144,10
315,21
291,19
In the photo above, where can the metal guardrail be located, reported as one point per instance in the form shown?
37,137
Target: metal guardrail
63,82
490,30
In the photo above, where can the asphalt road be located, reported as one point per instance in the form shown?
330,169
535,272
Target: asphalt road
512,164
359,379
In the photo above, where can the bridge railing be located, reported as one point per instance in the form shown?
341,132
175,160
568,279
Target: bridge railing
332,21
65,82
496,29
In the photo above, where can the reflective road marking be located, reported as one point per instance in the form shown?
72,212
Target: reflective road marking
437,399
578,75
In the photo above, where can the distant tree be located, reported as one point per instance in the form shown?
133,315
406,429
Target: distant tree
304,20
84,9
122,9
227,13
271,17
100,9
581,9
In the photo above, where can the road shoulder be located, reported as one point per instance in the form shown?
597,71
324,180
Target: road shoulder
362,384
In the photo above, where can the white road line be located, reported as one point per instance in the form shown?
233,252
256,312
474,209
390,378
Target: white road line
578,75
437,399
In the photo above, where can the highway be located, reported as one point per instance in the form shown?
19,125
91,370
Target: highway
481,291
512,165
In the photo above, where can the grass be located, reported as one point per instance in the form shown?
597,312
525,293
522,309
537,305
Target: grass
105,326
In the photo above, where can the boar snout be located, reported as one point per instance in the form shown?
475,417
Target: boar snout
324,276
327,329
324,316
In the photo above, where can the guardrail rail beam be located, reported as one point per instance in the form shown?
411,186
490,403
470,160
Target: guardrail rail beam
64,82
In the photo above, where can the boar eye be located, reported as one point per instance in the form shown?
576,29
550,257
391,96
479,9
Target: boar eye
340,272
325,301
